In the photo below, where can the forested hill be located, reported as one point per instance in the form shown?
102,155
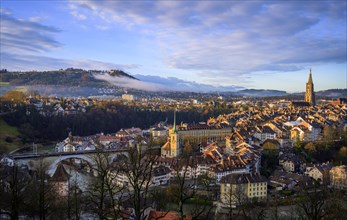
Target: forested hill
67,77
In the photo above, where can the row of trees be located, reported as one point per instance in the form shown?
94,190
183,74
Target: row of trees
332,146
35,126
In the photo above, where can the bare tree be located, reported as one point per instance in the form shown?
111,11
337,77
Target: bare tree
40,197
182,189
235,197
275,213
203,206
12,189
335,205
236,200
229,200
159,199
187,187
74,203
100,196
321,203
138,168
313,203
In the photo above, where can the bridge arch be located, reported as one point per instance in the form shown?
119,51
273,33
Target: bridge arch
53,166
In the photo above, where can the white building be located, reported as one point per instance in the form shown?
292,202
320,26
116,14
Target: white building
128,97
161,176
7,161
237,189
319,172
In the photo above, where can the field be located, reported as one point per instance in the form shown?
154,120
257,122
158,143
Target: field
6,86
9,137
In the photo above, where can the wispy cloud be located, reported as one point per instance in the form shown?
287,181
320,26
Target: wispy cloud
26,36
235,38
23,41
103,28
78,15
30,62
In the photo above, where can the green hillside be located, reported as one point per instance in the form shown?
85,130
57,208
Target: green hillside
9,137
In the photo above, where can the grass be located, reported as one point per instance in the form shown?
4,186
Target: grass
8,132
6,86
45,149
21,88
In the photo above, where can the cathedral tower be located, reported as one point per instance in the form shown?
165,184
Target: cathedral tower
309,95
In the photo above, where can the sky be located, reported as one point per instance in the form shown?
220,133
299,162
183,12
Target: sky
225,44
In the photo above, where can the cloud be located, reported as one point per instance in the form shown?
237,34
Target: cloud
103,28
156,83
23,42
78,15
130,83
176,84
234,38
30,62
26,36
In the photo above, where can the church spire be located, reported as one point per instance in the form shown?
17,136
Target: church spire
174,125
310,77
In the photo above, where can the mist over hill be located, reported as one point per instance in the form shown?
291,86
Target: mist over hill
78,82
68,82
67,77
260,92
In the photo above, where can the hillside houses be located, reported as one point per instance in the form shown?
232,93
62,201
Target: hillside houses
291,163
282,180
264,133
338,177
319,172
122,139
236,149
304,130
77,143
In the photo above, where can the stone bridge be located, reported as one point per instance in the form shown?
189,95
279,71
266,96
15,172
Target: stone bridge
51,169
51,160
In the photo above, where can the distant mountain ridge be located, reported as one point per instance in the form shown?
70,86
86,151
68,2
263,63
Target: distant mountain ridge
332,93
260,92
324,94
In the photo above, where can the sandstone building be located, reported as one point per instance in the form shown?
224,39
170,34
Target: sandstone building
309,95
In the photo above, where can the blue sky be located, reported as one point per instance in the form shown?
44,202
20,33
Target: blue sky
252,44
